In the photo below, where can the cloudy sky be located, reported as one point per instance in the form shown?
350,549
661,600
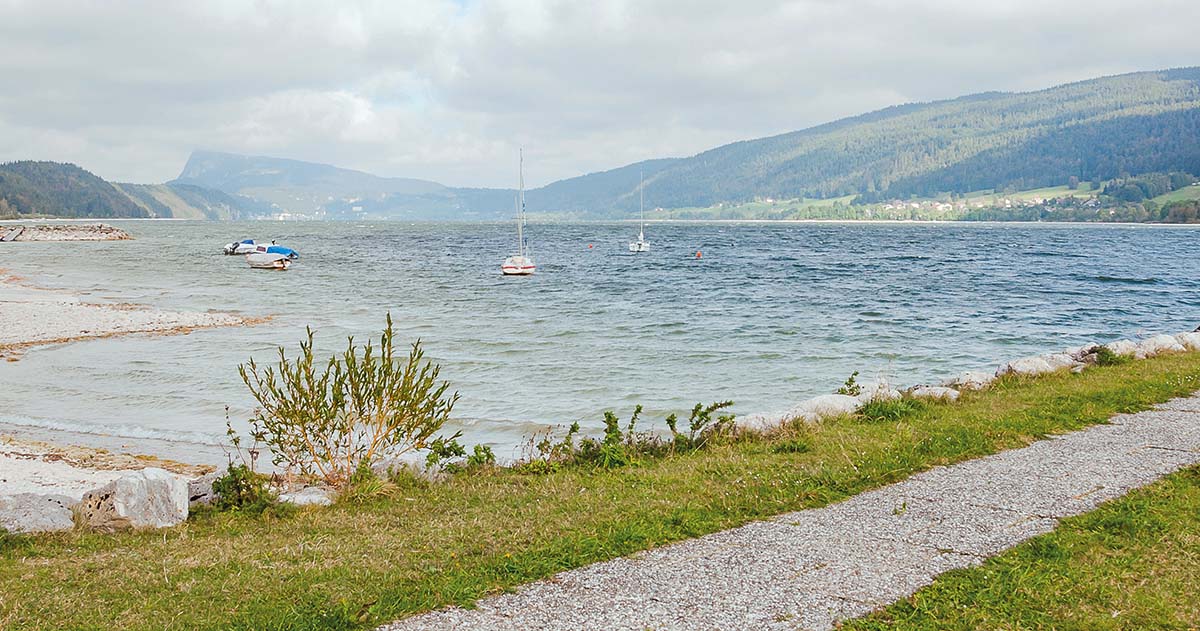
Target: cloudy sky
447,90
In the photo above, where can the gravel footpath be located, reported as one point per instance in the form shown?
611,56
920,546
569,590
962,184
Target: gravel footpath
810,569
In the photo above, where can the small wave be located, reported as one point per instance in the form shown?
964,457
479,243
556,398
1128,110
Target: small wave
1124,279
115,431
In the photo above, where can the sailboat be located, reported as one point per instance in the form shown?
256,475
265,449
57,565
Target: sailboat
641,245
521,263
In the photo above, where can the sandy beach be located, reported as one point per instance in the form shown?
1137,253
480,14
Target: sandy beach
31,316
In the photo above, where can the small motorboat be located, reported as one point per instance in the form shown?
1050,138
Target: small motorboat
268,260
277,249
244,246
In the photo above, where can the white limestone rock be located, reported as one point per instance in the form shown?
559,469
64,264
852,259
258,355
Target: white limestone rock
1026,366
200,490
936,393
1081,353
1189,340
824,406
971,380
1059,361
1158,345
1122,348
30,513
877,391
150,498
761,422
309,496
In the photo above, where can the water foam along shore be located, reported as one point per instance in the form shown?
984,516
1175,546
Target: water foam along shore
30,316
62,232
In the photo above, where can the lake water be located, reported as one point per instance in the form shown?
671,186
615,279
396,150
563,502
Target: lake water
771,314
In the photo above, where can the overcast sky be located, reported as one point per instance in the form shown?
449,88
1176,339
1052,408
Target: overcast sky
447,90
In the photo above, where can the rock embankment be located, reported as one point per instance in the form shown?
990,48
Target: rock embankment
1072,359
63,232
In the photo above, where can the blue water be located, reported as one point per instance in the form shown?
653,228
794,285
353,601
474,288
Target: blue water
771,314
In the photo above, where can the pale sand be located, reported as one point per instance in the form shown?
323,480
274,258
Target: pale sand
30,316
32,467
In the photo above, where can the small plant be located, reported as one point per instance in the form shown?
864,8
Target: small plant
365,486
242,489
1106,357
700,425
887,411
792,446
851,387
450,456
365,405
481,456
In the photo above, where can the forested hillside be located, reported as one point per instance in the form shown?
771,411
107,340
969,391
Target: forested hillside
60,190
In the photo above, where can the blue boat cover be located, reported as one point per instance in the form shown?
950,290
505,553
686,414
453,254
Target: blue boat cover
279,249
250,241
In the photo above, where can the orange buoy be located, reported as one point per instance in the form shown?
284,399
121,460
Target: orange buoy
698,254
589,246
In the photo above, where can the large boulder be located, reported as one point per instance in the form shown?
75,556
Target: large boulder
1059,361
971,380
29,512
1158,345
150,498
1122,348
1190,341
200,490
877,391
935,393
1026,366
824,406
1081,354
309,496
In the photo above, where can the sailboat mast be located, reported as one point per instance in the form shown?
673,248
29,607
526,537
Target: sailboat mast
642,202
521,202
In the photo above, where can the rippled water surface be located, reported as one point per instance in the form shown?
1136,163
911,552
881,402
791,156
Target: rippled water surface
771,313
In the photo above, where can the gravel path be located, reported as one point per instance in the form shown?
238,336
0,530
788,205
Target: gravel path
810,569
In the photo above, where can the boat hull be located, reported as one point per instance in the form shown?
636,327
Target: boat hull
639,246
259,260
517,266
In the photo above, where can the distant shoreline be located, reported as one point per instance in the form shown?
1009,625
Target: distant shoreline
535,220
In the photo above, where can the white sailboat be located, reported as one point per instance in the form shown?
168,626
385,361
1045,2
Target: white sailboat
521,263
641,245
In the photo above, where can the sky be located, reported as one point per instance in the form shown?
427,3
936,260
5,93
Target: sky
448,90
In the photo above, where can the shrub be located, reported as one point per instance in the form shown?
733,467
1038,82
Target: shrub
365,405
880,411
700,426
851,387
1106,357
450,456
242,489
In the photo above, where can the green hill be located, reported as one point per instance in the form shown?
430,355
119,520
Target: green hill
60,190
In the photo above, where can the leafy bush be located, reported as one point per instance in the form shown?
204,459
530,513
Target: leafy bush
243,490
365,405
1106,357
450,456
851,388
620,447
880,411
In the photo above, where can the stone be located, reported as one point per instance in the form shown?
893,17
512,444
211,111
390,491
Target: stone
937,393
309,496
1081,353
200,490
30,513
1059,361
1158,345
824,406
971,380
1026,366
1190,341
1122,348
150,498
877,391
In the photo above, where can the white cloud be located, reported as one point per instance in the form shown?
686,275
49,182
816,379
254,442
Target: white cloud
446,91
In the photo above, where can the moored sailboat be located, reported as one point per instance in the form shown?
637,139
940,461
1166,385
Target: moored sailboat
521,263
641,245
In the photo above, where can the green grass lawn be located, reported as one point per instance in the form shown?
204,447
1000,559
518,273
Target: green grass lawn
1134,563
1184,194
481,533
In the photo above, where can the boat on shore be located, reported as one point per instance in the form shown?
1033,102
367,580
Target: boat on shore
521,263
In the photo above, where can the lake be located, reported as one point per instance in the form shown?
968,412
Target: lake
770,314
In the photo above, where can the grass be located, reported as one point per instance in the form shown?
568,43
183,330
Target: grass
1179,195
1131,564
478,534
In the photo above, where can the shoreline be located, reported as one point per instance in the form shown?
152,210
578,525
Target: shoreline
32,316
